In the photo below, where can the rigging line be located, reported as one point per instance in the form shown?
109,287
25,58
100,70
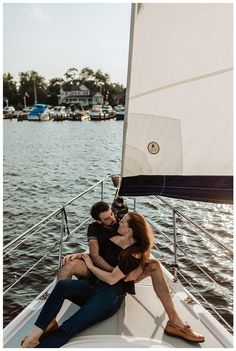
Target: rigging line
22,276
164,184
26,238
66,220
168,86
193,187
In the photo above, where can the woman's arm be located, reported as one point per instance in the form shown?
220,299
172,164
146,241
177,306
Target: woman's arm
108,277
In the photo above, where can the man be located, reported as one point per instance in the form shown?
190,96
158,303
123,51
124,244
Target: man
99,232
104,227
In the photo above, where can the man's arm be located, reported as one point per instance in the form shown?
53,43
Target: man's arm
96,258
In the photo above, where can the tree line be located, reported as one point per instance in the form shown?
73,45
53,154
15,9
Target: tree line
31,83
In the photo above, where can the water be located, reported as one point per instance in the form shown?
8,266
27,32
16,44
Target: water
46,164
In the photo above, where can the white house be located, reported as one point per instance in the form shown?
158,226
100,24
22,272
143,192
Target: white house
81,95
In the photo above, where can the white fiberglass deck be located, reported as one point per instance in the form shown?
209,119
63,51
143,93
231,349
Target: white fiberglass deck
140,322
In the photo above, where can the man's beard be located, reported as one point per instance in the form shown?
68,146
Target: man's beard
112,224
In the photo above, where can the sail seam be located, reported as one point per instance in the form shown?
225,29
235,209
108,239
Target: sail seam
163,187
204,76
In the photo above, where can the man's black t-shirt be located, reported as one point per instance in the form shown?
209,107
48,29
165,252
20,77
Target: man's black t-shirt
109,251
99,232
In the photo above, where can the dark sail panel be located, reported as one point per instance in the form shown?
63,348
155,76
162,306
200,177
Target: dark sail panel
216,189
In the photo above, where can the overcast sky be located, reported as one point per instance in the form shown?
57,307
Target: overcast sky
51,38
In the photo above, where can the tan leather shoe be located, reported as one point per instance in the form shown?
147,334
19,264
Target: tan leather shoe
186,332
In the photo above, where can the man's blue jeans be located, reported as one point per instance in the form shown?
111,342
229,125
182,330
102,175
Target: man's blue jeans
98,301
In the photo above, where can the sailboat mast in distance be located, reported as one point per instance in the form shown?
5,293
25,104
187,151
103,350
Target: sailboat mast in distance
178,132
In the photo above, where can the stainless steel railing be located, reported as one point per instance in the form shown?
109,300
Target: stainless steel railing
64,232
176,213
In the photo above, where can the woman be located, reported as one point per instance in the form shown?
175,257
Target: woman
100,296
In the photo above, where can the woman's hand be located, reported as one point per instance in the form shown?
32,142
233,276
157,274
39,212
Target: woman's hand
87,260
71,257
135,275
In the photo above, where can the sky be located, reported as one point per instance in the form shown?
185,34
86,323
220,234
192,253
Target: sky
50,38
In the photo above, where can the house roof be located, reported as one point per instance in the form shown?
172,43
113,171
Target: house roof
81,88
82,96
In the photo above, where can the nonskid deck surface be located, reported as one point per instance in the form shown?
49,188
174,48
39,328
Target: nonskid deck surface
140,322
143,316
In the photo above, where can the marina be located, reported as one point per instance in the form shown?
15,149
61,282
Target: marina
61,113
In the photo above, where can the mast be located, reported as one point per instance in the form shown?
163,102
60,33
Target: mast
133,12
35,92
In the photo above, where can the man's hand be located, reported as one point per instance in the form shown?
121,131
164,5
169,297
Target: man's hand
87,260
71,257
135,274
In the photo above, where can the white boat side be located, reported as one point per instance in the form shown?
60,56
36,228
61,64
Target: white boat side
140,322
42,118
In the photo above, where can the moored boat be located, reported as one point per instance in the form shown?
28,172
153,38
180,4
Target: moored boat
97,113
79,115
108,110
119,112
59,113
39,112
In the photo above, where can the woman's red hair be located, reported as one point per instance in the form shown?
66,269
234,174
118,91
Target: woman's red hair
143,235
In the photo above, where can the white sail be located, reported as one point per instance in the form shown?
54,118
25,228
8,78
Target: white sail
178,133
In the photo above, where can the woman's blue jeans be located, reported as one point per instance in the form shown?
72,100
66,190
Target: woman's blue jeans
98,301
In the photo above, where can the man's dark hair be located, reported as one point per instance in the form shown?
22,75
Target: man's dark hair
98,208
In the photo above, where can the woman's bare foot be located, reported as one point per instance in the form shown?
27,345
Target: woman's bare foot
29,343
53,326
32,340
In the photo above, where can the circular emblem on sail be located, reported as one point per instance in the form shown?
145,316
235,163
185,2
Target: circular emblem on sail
153,147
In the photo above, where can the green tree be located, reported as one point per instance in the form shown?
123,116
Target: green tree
101,77
116,94
34,85
86,74
31,82
71,77
9,90
54,90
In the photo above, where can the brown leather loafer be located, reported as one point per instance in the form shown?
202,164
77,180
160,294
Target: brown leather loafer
186,333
